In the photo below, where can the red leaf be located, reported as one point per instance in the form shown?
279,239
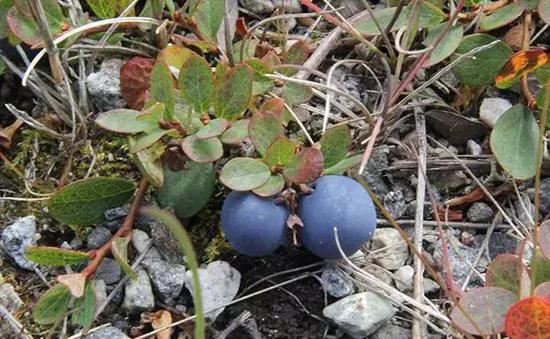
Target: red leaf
274,106
507,271
519,64
135,75
305,167
529,319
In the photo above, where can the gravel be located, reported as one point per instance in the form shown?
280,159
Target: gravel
17,237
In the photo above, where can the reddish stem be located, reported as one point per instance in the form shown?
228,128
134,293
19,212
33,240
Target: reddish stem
313,7
124,230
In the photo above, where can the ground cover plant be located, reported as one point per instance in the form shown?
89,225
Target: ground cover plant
382,146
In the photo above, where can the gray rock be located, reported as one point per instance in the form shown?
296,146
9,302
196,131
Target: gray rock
373,172
219,285
430,286
165,243
140,241
391,331
109,332
500,243
404,278
394,202
9,298
545,196
258,6
396,251
100,291
18,236
289,6
104,86
360,314
167,279
480,212
76,243
336,283
138,295
380,273
109,271
98,237
491,109
525,210
473,147
116,213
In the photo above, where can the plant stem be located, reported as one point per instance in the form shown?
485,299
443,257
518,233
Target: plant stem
524,47
124,230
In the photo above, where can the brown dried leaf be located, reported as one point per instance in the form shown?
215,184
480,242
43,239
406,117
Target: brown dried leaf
161,319
135,76
6,134
75,282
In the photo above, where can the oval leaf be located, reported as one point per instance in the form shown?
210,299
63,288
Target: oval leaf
84,307
119,249
175,56
232,95
52,305
501,17
335,144
529,318
123,121
196,83
544,236
236,134
202,150
134,81
544,10
345,164
481,68
244,174
208,16
214,128
162,88
514,141
507,271
446,46
187,191
519,64
146,140
263,130
274,185
305,167
543,290
540,269
274,106
85,201
280,152
486,307
296,94
44,255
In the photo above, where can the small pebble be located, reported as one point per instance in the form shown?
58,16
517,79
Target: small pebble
98,237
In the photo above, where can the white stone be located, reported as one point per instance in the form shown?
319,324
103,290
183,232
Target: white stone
491,109
404,278
393,250
138,295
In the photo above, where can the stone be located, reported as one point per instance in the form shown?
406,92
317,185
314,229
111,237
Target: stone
373,172
480,212
491,109
545,196
501,242
430,286
109,332
336,283
473,147
525,210
289,6
100,291
165,242
395,203
138,295
380,273
258,6
9,298
76,243
360,314
17,237
395,251
391,331
140,241
109,271
219,285
104,86
404,278
167,279
98,237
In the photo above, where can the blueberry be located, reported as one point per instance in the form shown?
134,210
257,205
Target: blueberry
337,201
253,225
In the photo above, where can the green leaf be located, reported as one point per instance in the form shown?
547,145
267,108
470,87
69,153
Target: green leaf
261,83
44,255
232,95
186,245
124,121
514,142
145,140
430,15
244,174
540,269
119,249
149,164
486,307
482,68
280,152
263,129
543,73
202,150
544,10
102,8
236,134
187,191
273,185
296,94
83,202
305,167
52,305
84,307
196,83
5,6
345,164
507,271
297,54
23,27
448,44
335,144
176,56
214,128
209,16
501,17
162,89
